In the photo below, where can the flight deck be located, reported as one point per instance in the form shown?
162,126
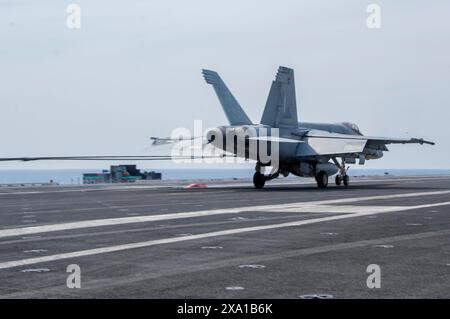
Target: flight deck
229,240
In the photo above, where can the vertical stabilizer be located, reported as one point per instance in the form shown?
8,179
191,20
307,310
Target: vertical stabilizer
281,105
231,107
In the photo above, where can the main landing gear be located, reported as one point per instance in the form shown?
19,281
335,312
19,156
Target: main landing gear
259,179
341,178
322,179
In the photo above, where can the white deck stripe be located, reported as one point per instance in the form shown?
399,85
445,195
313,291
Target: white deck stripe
89,252
298,206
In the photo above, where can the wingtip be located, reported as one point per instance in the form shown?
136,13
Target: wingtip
422,141
427,142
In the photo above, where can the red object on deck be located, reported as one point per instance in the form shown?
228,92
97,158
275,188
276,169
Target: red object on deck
197,186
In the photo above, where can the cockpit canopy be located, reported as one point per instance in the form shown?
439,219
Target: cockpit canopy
353,127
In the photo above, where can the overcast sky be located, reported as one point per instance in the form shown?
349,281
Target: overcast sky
133,71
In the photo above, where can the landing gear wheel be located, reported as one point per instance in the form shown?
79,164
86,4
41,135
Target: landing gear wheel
322,179
338,180
259,180
346,180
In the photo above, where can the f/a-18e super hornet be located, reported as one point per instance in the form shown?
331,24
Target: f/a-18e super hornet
304,149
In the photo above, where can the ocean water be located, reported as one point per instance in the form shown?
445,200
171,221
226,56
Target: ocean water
74,176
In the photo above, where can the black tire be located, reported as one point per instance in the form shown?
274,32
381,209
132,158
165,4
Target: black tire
346,180
322,179
338,180
259,180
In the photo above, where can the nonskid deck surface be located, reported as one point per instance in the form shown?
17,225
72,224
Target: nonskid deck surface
160,240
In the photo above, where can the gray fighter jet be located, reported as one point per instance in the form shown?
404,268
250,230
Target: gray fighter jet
305,149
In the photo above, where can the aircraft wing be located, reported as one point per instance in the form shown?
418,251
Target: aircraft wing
387,140
374,139
157,141
320,143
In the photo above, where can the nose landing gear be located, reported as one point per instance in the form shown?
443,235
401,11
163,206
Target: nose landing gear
342,177
346,180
